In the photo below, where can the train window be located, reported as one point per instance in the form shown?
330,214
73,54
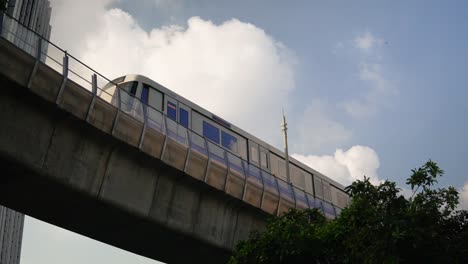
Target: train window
318,186
155,99
145,94
297,177
183,117
172,110
211,132
228,141
326,191
308,182
253,153
264,158
242,147
278,166
133,88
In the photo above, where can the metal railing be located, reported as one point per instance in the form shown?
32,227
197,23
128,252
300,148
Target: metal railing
71,68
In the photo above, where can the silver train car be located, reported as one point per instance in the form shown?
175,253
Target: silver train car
212,150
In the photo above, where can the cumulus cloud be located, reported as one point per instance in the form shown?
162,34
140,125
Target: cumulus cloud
234,69
346,166
464,197
379,88
367,41
318,131
376,84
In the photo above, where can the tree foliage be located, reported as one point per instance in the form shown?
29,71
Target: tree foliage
379,226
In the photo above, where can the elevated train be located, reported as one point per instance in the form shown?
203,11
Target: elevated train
211,149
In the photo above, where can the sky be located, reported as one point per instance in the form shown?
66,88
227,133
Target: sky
371,88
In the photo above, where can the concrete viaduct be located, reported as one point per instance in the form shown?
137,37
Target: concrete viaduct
60,163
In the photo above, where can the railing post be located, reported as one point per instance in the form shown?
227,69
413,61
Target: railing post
119,107
163,151
189,138
65,78
93,100
279,194
228,167
245,166
263,190
143,130
209,163
36,63
280,198
293,193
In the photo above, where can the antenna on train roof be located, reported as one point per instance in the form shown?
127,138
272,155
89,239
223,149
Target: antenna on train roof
284,127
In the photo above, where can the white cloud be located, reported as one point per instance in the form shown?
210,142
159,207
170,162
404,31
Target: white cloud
379,89
234,69
464,197
346,166
317,130
367,41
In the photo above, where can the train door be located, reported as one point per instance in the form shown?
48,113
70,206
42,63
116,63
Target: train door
264,159
170,107
184,115
145,93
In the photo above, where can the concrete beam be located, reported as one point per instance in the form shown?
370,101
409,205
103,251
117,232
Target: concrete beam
61,169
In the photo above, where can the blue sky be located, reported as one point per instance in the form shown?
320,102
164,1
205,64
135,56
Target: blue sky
369,87
424,55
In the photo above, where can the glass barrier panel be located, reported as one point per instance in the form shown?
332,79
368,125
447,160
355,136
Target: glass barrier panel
310,200
236,178
254,186
329,210
175,132
131,105
216,153
253,174
217,168
171,128
198,143
269,181
301,199
318,204
155,120
235,163
338,211
286,190
182,134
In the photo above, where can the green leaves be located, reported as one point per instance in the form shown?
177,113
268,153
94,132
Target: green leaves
380,226
425,176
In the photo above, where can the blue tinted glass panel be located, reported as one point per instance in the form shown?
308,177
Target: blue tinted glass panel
183,117
286,190
255,172
269,180
311,201
211,132
318,204
328,209
144,94
228,141
301,199
172,111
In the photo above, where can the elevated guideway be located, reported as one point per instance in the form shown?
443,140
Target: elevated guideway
73,159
